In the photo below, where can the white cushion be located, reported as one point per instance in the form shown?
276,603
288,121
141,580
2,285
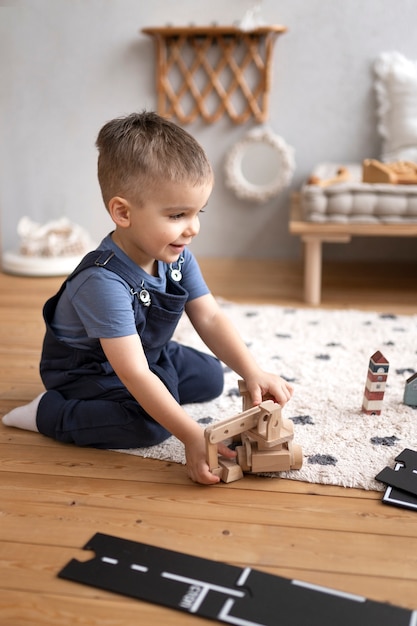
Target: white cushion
396,90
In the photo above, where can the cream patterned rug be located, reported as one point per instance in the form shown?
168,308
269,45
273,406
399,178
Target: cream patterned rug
325,354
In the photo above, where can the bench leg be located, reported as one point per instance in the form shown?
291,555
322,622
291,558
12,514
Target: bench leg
312,269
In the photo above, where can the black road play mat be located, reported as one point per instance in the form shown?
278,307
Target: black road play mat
226,593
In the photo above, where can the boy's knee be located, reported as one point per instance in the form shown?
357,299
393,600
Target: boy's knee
214,380
218,380
200,375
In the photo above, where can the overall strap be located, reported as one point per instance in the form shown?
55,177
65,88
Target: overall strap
108,260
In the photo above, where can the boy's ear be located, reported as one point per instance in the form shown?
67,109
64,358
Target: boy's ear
119,209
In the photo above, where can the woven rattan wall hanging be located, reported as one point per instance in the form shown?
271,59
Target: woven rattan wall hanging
214,71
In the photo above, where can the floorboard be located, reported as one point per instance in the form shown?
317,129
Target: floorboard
54,497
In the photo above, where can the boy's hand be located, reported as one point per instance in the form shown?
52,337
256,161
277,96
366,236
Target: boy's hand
197,466
266,383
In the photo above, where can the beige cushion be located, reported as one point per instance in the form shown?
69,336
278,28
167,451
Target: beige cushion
356,201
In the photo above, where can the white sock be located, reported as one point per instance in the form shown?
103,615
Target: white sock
24,416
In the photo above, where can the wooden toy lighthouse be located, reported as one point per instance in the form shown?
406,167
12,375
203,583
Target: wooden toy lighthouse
375,384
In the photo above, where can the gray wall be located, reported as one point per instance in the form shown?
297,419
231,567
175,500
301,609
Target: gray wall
67,66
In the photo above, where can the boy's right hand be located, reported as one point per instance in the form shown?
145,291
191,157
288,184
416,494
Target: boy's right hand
197,466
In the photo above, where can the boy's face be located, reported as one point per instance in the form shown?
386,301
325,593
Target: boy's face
164,224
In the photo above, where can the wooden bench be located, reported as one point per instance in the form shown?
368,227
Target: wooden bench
314,234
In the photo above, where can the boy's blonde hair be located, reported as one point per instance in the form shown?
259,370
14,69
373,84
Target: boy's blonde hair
141,150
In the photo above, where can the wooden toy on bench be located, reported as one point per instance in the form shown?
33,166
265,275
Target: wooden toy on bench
263,441
342,175
397,173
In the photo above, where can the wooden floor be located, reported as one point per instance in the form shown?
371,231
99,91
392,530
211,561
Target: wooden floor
54,497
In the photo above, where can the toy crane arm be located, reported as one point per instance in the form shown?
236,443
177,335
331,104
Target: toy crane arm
239,423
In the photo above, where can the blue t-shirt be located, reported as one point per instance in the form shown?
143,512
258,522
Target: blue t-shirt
98,304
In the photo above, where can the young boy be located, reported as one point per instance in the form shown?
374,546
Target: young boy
113,376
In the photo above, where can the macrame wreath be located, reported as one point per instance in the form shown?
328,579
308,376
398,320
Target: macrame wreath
235,179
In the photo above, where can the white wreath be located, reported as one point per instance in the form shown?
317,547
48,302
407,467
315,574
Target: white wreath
243,188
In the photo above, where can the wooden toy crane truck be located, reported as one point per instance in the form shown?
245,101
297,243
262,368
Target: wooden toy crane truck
263,441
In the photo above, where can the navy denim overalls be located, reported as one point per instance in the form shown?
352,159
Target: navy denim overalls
87,404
